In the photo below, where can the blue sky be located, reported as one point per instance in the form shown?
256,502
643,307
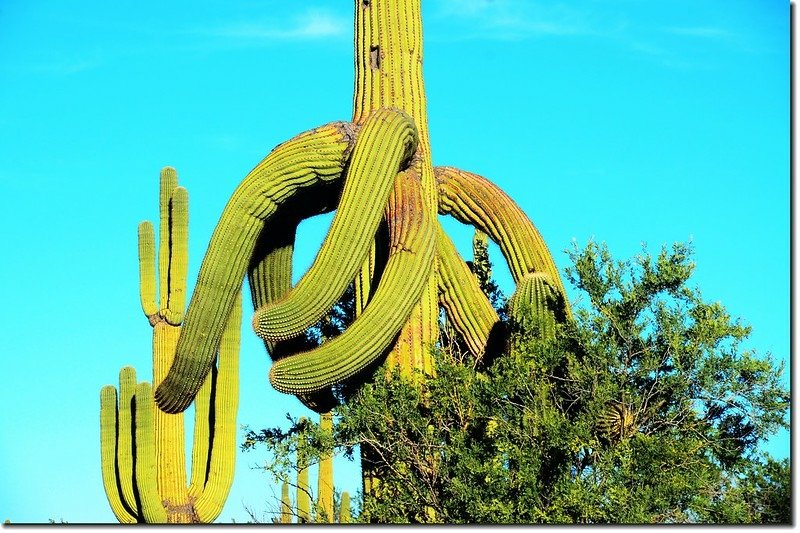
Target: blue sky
621,121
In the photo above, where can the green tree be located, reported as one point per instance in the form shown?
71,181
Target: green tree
646,408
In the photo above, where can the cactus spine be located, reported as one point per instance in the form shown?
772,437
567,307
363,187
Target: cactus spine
143,458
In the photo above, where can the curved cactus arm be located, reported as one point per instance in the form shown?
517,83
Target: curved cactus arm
147,270
385,144
309,159
537,305
474,200
145,468
108,456
270,270
225,395
178,256
412,248
466,305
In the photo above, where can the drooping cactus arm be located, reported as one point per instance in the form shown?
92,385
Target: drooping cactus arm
270,270
537,305
222,421
474,200
305,161
466,305
108,456
385,144
412,248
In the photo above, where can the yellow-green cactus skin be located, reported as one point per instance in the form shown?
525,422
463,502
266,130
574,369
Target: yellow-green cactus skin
142,448
375,171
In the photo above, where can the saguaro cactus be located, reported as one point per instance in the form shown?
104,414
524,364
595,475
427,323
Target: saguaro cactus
324,511
143,458
377,172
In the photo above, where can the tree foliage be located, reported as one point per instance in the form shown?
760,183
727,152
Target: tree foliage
646,408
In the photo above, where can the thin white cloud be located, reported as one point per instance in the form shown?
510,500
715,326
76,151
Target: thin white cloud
516,19
313,24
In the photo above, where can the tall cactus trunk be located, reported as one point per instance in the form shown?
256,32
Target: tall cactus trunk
388,74
388,65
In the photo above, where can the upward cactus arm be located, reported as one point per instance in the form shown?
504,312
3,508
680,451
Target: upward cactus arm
167,183
178,256
412,248
147,270
226,399
386,142
108,456
474,200
307,160
125,420
145,468
466,305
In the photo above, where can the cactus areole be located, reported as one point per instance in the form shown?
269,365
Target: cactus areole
376,171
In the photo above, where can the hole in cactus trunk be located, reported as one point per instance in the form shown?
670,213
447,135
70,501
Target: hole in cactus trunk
375,57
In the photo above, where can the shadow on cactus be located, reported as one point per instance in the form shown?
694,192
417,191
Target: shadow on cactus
143,458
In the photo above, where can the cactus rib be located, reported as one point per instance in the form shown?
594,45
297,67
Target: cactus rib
474,200
145,462
466,305
311,158
221,421
385,143
407,270
537,304
108,458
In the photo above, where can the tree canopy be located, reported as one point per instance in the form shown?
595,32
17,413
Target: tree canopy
646,408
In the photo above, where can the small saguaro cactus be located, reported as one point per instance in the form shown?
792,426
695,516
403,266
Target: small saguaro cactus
325,511
143,450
